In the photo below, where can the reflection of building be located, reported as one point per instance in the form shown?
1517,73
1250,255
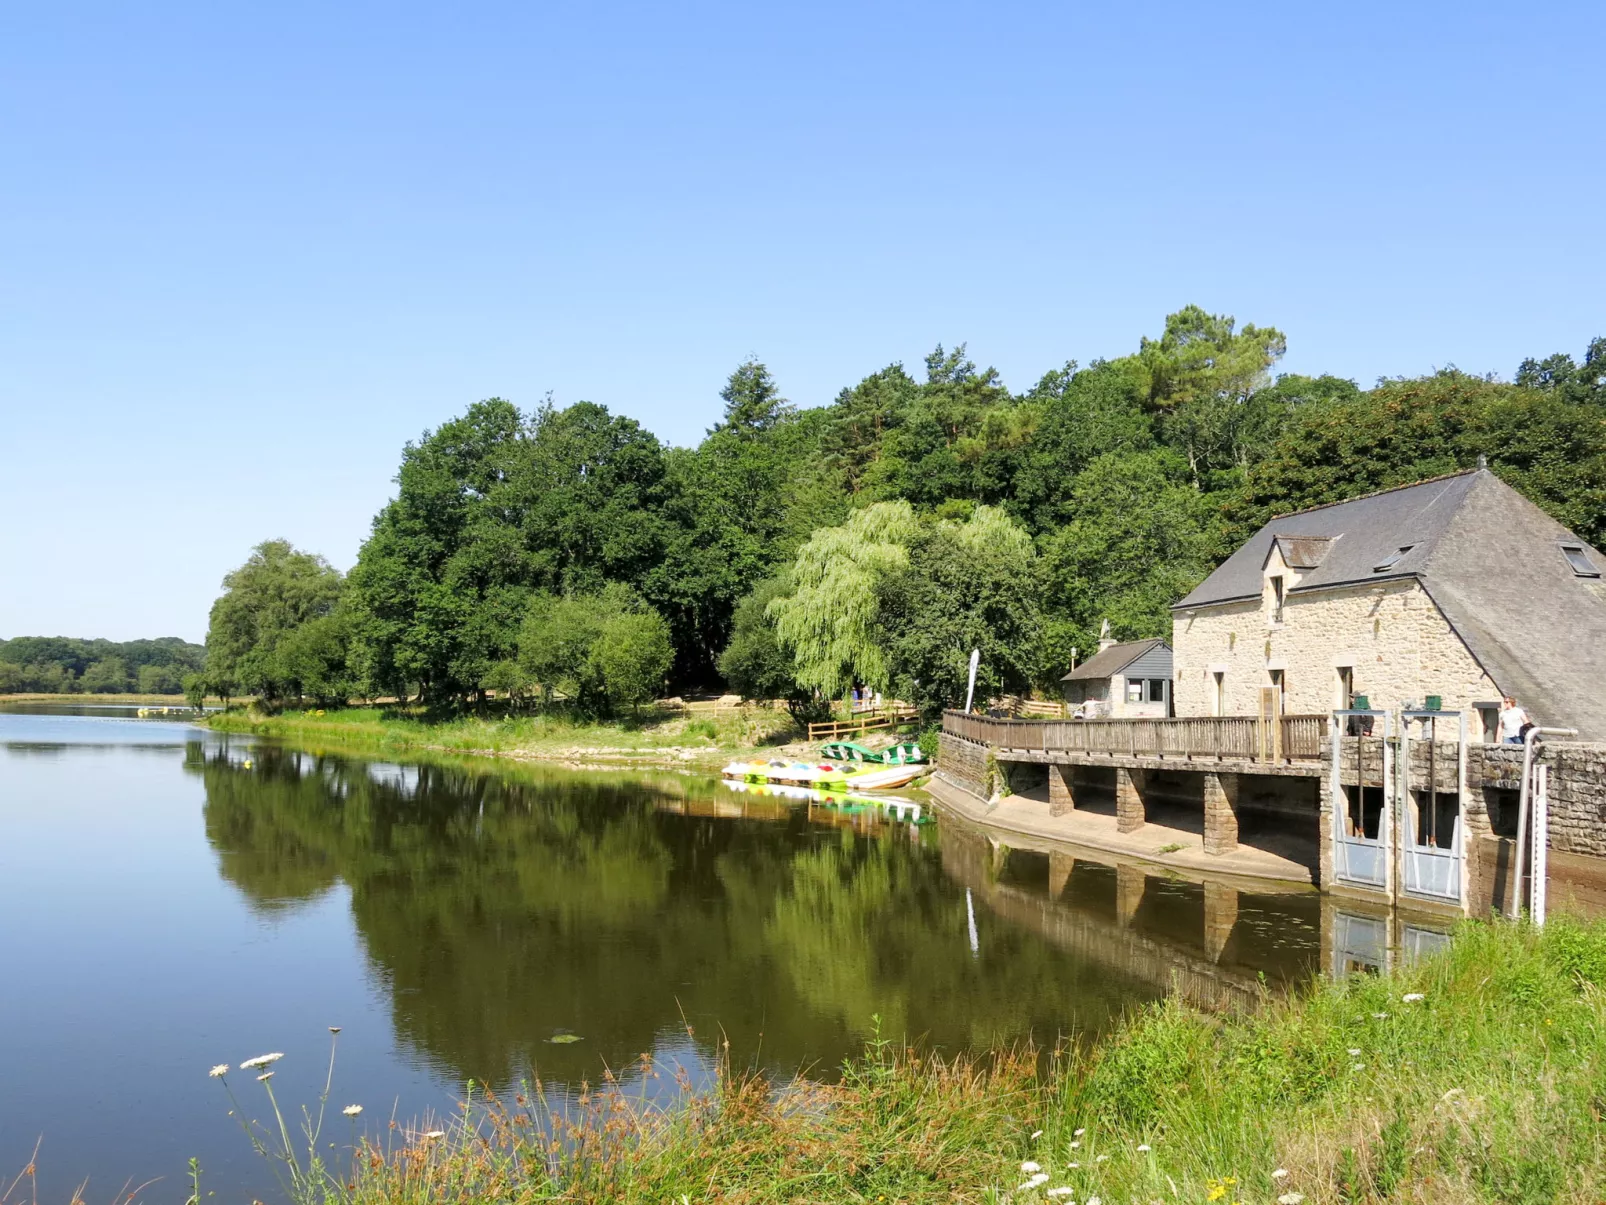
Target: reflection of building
1457,589
1175,933
1122,680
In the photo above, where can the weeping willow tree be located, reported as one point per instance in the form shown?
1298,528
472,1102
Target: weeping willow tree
828,622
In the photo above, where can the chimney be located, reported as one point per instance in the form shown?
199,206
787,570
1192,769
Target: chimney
1105,640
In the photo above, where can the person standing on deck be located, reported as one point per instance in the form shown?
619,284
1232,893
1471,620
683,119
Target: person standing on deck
1512,719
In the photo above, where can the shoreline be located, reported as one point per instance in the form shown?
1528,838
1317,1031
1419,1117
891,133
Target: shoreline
520,739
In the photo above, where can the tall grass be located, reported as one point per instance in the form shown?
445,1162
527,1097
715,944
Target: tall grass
1479,1075
554,735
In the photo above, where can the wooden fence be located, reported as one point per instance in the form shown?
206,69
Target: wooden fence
1225,738
863,721
718,707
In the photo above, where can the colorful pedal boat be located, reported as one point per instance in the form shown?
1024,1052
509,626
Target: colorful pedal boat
824,776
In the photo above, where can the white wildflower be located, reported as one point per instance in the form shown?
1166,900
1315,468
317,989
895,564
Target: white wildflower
1354,1051
264,1077
1031,1166
1380,1016
1290,1198
352,1110
261,1060
1036,1134
1413,997
1039,1178
1079,1132
1280,1174
1094,1201
1357,1066
1074,1145
1073,1165
1144,1146
434,1133
1061,1191
219,1071
1101,1159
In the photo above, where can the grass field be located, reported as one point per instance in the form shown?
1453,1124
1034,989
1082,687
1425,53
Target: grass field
651,739
1477,1076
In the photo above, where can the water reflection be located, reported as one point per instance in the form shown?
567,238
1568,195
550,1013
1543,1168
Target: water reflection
501,909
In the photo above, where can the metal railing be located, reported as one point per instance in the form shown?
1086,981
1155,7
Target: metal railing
1224,738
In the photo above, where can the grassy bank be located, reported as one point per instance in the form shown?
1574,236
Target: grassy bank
1477,1076
650,739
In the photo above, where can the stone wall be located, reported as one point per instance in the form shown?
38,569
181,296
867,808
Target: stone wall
964,763
1393,636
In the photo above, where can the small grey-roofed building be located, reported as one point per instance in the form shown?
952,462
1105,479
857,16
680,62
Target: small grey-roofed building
1458,587
1122,681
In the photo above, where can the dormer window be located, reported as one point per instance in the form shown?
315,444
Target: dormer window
1392,559
1579,560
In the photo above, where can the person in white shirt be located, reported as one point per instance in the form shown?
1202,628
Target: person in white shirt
1512,718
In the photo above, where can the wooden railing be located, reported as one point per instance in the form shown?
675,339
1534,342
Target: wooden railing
1226,738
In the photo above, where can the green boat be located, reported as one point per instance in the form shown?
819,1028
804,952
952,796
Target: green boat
906,754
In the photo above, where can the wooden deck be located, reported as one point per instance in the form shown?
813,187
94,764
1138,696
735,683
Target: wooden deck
1288,740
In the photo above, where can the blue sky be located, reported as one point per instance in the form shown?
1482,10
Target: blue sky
247,251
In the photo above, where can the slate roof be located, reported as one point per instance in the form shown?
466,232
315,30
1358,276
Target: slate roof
1108,662
1487,556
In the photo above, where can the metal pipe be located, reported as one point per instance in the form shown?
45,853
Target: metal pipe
1522,810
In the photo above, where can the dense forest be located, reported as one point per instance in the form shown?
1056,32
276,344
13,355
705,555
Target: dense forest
63,665
567,553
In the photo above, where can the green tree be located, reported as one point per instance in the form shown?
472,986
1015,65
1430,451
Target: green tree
829,622
755,664
1141,539
314,659
632,656
195,690
107,677
440,586
263,601
603,650
159,680
970,585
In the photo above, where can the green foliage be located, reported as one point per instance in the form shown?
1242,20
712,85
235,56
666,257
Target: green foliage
829,620
970,585
195,688
160,680
632,658
108,677
1132,477
756,665
57,664
252,639
1141,538
603,650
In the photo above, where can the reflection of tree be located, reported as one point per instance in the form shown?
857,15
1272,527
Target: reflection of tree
500,908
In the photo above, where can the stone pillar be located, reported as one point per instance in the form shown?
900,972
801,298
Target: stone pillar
1059,873
1220,813
1129,882
1061,790
1129,815
1220,915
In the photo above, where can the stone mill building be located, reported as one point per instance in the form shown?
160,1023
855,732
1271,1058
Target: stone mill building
1456,590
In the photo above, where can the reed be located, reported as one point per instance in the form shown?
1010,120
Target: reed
1476,1076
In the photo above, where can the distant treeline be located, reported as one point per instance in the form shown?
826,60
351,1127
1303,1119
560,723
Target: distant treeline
64,665
875,540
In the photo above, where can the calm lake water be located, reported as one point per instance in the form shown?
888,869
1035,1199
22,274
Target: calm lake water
171,898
